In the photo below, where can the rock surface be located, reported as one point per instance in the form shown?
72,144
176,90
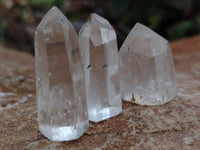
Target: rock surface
174,125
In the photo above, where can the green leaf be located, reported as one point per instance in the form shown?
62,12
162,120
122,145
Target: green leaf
180,29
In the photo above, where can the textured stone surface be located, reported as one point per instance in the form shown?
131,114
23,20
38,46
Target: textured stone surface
98,47
147,69
175,125
61,96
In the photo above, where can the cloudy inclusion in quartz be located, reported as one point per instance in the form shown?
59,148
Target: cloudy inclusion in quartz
62,107
98,46
147,69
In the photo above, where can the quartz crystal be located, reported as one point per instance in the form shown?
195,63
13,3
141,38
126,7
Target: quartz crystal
98,46
147,69
61,96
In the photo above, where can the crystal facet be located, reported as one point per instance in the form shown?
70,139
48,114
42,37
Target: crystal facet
62,107
147,69
98,46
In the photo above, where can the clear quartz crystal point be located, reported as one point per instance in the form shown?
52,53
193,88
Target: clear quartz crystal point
147,69
98,46
61,96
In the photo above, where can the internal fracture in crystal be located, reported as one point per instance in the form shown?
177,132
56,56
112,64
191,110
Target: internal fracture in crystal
147,69
98,46
62,107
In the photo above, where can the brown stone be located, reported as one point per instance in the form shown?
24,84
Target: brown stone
174,125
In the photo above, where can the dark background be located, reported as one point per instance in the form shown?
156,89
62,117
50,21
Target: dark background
173,19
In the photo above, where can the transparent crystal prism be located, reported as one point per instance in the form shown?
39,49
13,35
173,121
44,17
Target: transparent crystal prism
147,69
62,107
98,46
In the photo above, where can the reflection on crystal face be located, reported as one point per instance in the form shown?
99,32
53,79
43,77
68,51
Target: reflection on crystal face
62,107
147,69
98,46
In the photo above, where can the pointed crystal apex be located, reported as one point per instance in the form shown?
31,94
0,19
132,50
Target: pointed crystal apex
98,44
54,9
102,31
54,16
147,69
97,20
153,43
62,106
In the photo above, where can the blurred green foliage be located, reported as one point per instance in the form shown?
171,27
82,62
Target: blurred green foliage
180,29
173,19
45,4
3,26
